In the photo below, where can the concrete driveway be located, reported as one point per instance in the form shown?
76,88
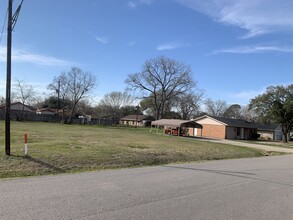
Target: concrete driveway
251,145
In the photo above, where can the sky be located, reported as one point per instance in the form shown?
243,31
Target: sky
236,48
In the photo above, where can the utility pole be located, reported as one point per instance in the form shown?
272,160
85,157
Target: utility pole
8,80
11,24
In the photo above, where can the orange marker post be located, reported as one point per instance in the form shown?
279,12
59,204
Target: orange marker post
25,144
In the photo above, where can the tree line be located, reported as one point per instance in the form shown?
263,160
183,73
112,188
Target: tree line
164,88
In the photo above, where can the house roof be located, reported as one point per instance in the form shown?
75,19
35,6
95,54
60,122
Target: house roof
231,122
176,123
46,110
242,123
137,117
268,127
17,103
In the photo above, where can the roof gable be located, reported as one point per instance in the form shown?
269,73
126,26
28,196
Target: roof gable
209,120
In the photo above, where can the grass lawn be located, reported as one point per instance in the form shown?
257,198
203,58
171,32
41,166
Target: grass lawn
271,143
59,148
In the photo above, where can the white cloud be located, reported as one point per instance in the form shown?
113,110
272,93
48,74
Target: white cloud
241,97
244,97
39,87
247,95
170,46
102,40
133,4
255,49
258,17
22,56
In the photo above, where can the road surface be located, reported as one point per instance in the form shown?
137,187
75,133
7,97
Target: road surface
257,188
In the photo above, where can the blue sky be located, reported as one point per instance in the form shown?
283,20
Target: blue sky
235,48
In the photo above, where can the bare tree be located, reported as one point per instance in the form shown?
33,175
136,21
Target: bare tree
249,114
161,79
59,86
74,85
23,93
114,101
188,104
215,108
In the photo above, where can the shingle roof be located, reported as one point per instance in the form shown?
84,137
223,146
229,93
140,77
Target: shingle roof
236,122
16,103
243,123
137,117
267,127
230,122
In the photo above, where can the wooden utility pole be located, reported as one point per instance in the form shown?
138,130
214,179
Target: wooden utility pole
12,18
8,80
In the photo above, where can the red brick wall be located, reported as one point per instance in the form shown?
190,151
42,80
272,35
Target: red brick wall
214,131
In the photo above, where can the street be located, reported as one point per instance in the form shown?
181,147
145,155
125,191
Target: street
256,188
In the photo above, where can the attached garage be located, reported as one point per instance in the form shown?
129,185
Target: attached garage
270,132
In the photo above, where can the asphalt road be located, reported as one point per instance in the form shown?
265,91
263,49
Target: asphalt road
257,188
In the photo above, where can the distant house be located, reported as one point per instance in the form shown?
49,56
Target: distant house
178,127
270,132
18,106
137,120
226,128
46,111
18,111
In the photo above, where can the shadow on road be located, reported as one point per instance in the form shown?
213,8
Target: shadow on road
245,175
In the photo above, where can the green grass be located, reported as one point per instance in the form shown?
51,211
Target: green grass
59,148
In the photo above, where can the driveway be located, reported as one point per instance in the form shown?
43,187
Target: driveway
254,189
251,145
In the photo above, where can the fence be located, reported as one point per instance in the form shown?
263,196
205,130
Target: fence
32,116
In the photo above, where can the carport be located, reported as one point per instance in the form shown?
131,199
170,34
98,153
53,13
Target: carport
177,127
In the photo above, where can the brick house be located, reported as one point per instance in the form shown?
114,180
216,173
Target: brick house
226,128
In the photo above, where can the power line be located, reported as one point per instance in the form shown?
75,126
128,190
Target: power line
3,27
15,15
14,19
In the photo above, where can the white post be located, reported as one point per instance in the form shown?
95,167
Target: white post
25,144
